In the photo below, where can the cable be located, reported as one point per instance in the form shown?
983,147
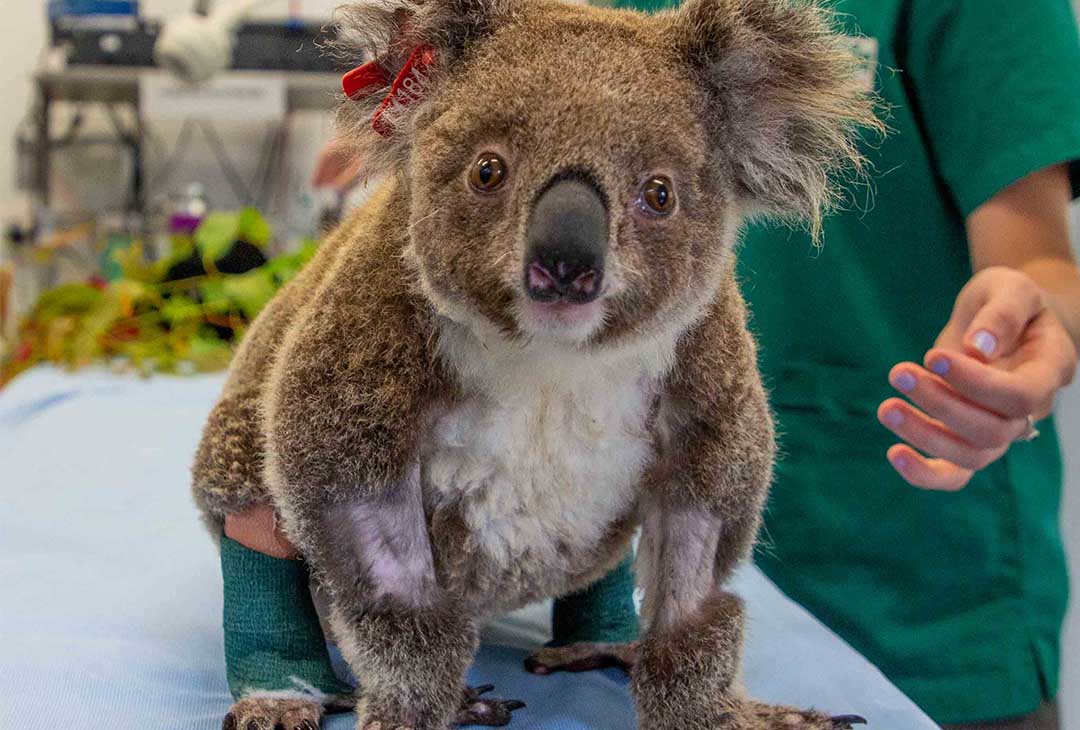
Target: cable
172,160
236,182
261,182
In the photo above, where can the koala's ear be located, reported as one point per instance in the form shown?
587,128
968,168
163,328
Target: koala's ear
406,47
785,99
387,30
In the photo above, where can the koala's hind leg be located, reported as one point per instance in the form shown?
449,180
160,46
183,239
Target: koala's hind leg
273,712
583,656
276,658
274,643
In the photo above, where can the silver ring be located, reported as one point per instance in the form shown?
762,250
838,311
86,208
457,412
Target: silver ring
1032,433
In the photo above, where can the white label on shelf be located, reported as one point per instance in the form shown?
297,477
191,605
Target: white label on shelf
228,97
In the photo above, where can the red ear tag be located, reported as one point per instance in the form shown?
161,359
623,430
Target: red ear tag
407,87
366,78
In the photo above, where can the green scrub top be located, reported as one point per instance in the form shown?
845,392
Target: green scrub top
957,597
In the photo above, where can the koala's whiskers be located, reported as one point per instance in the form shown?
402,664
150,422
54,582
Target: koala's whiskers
422,219
631,270
502,257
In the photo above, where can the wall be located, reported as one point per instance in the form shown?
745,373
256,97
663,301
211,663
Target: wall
23,39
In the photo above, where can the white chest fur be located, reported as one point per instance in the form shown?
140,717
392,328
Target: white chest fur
548,447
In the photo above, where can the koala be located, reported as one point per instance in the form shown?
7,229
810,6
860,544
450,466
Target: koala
530,342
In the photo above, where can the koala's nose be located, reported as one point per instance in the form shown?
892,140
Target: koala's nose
566,243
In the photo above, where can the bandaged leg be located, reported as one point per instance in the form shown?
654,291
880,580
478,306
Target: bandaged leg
273,639
594,628
602,613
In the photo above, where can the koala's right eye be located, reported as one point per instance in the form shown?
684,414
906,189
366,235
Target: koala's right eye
487,173
657,196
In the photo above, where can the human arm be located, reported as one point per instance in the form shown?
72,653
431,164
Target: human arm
1009,347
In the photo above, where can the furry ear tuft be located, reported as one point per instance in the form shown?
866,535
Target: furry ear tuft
785,100
387,32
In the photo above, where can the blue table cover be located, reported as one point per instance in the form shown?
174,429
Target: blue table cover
110,591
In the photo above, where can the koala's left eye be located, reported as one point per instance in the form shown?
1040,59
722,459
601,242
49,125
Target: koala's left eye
487,173
657,196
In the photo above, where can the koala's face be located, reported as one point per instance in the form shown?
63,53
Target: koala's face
578,174
561,182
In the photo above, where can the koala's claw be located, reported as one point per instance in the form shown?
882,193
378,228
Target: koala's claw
582,657
491,712
761,716
263,713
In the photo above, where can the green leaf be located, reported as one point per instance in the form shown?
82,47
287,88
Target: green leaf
306,250
253,228
216,235
288,265
250,291
129,262
208,353
86,344
130,292
68,299
180,249
219,231
214,298
179,308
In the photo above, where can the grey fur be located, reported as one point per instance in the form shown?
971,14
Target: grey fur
413,316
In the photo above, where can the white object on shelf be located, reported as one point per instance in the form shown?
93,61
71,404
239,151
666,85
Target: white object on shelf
197,47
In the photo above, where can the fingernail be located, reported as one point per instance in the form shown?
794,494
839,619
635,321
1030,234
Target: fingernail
900,462
985,342
894,417
940,366
904,382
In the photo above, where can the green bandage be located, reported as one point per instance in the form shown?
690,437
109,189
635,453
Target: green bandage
602,613
273,640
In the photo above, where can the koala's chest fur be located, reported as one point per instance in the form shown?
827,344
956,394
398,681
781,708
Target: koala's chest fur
538,461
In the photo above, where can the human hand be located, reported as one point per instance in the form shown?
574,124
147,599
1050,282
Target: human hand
1002,357
337,168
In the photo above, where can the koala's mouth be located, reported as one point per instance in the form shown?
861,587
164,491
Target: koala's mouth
562,318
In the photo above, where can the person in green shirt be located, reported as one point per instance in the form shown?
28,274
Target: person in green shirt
955,262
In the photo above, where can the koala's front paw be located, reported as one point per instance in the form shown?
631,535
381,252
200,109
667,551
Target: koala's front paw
493,712
582,657
771,717
266,713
